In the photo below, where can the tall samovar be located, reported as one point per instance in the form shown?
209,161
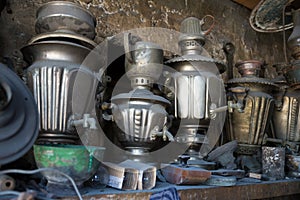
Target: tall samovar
198,89
249,118
56,56
140,115
286,115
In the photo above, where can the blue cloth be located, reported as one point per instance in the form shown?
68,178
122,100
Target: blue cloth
167,194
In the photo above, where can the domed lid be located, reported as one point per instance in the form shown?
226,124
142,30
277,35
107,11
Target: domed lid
140,94
64,16
198,58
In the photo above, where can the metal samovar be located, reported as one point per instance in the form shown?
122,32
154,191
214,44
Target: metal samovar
140,115
198,89
286,115
250,106
55,57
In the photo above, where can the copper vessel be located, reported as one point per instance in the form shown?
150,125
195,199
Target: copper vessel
250,106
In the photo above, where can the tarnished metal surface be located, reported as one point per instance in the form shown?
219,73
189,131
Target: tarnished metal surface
140,115
273,162
267,16
248,124
294,39
65,16
285,117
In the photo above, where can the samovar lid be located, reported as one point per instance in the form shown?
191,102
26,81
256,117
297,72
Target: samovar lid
198,58
67,37
140,94
65,16
252,80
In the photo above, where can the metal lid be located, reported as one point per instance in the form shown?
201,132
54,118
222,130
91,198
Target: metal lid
198,58
191,29
140,94
67,37
19,119
65,16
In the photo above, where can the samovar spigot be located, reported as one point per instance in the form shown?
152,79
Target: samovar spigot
239,94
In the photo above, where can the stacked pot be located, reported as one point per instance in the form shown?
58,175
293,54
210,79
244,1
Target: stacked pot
62,49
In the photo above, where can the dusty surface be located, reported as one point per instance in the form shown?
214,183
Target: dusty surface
115,16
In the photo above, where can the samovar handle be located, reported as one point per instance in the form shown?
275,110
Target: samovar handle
202,22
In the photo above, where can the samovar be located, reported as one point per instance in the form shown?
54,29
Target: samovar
286,115
198,89
55,57
140,115
251,106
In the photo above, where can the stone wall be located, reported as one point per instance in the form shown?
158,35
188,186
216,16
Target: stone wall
115,16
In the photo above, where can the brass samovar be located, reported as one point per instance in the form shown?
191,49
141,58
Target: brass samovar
286,115
250,107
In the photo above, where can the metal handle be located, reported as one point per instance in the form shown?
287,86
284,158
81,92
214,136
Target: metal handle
202,22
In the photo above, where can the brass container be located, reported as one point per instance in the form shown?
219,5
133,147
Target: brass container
286,124
285,117
250,94
294,39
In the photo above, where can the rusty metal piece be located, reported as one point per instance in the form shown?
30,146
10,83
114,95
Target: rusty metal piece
185,175
273,161
7,183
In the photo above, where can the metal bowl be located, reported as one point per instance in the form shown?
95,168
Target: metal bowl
65,16
77,161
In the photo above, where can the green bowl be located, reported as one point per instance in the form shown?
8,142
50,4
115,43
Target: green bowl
79,162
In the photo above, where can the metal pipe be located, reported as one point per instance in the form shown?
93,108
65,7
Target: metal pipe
229,52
